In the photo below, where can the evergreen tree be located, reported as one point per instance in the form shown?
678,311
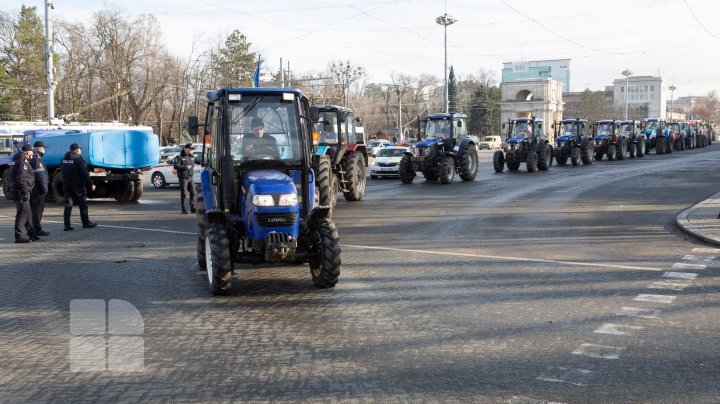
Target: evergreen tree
453,93
484,110
235,63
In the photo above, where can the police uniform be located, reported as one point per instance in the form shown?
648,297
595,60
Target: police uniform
37,196
23,184
76,182
185,177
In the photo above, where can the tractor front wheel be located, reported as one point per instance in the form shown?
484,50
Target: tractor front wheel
621,150
562,157
641,150
532,161
324,251
660,145
407,174
544,157
469,163
447,169
586,155
499,161
611,152
217,259
575,156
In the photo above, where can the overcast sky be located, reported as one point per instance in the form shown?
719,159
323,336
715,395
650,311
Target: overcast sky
676,39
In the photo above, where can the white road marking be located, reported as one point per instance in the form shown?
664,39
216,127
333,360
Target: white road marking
682,265
617,329
502,258
701,258
654,298
599,351
679,275
558,374
134,228
706,250
668,285
635,312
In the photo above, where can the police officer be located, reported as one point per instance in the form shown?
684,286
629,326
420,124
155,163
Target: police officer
76,183
37,196
184,164
23,182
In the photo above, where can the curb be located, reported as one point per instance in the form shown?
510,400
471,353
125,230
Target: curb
683,223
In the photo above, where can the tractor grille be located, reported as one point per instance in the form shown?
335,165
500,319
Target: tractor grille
387,164
276,219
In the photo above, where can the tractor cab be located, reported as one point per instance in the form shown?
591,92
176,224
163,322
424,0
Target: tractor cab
526,142
257,200
568,129
572,141
524,129
450,128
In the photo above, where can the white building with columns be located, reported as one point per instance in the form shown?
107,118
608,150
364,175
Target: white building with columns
541,98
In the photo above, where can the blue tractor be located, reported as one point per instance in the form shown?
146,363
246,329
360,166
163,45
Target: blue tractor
609,140
573,141
526,142
636,140
654,130
258,188
445,150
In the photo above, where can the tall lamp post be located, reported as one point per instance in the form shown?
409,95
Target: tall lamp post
627,74
446,20
672,89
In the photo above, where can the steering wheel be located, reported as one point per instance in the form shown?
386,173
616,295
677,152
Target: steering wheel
266,152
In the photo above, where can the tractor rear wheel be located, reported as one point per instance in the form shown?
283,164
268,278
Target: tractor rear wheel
469,163
355,171
447,169
217,259
323,187
324,251
641,150
575,156
660,145
407,174
586,155
532,161
499,161
544,155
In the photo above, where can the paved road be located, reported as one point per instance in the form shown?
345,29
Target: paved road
570,285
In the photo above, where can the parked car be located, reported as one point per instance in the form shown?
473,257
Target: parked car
375,145
169,151
164,174
387,162
490,143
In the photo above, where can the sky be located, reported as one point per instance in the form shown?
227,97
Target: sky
676,39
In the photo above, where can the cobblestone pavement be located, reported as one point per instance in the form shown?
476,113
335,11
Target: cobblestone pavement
518,288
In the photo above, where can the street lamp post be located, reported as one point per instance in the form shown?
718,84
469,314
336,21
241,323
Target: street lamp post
672,89
446,20
627,74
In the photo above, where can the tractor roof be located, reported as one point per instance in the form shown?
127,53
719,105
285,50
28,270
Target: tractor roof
218,94
583,120
527,120
445,116
329,107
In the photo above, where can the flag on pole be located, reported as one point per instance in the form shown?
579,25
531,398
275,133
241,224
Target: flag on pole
256,76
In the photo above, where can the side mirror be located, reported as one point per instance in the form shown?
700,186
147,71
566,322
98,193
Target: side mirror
358,121
193,126
314,114
503,126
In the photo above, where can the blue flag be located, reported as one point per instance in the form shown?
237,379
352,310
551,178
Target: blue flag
256,76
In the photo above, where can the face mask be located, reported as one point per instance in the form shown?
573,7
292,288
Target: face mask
40,154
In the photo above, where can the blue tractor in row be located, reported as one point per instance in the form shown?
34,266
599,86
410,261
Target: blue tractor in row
573,141
258,188
445,150
526,143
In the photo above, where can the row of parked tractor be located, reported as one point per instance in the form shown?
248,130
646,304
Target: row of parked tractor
577,141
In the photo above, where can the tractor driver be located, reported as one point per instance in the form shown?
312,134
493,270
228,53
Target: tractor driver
257,143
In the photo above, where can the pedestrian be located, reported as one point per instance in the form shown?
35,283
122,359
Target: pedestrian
76,183
184,165
22,184
37,196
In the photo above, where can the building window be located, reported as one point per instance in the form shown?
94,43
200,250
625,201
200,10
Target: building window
652,88
622,89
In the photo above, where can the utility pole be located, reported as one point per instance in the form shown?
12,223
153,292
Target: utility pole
446,20
627,74
49,48
672,89
282,74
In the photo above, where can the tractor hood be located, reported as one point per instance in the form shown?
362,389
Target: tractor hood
564,138
268,182
429,142
649,132
517,139
601,136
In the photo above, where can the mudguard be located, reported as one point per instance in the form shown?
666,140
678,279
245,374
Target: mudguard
207,191
463,144
321,150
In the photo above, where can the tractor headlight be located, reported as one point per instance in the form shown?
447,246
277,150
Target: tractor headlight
263,200
288,200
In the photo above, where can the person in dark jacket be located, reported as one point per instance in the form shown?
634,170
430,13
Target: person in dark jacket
257,143
37,196
184,165
22,186
76,183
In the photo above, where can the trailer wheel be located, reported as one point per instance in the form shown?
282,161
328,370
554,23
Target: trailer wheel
217,259
407,174
355,169
124,191
57,187
324,255
138,190
469,163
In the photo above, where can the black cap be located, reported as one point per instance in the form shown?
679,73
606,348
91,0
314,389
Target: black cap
39,143
189,146
256,123
26,148
74,146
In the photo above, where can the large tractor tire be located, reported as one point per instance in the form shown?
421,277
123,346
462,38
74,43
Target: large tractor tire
586,155
138,190
447,169
469,163
531,163
218,262
659,145
575,156
544,157
621,150
325,259
512,163
407,174
124,191
499,161
641,147
57,187
562,157
324,180
201,232
611,152
632,150
355,169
